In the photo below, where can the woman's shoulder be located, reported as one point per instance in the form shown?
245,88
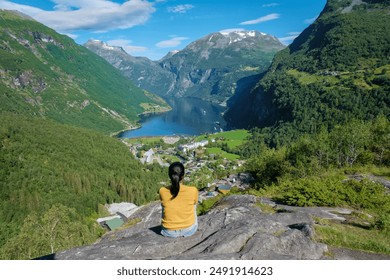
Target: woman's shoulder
164,189
190,188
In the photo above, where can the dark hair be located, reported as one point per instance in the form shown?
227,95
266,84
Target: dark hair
176,174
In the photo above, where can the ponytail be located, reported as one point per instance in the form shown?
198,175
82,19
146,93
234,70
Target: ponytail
176,174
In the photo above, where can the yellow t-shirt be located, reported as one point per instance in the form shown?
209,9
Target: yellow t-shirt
178,213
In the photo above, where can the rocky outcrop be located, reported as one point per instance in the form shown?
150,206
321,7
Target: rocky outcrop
236,228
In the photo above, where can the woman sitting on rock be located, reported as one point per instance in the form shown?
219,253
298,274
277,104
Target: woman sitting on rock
178,205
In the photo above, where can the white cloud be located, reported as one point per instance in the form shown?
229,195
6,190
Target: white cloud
288,39
93,15
171,43
261,19
7,5
270,5
127,46
180,9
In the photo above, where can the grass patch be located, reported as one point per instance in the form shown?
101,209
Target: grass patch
152,108
353,237
306,78
266,208
169,158
207,204
233,138
130,223
382,171
222,153
143,140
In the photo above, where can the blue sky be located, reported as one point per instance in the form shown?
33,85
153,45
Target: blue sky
155,27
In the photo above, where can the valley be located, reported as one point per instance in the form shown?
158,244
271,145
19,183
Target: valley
207,157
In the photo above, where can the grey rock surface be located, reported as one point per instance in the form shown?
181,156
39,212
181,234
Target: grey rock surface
235,228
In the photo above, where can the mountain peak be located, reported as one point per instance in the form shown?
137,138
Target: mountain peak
241,33
169,55
233,38
18,13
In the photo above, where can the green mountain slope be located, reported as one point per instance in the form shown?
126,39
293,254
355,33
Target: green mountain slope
336,70
46,167
46,74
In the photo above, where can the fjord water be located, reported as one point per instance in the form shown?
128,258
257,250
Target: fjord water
189,116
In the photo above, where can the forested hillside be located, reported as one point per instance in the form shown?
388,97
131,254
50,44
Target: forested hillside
336,70
51,169
48,75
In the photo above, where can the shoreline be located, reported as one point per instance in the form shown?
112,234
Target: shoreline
137,124
115,134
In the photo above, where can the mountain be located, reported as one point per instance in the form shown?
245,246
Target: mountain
46,74
142,71
169,55
210,68
337,69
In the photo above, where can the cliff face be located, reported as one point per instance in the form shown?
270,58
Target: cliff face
234,229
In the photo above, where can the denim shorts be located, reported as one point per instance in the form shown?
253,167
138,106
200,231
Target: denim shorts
180,232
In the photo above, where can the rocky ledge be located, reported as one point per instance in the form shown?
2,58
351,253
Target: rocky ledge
236,228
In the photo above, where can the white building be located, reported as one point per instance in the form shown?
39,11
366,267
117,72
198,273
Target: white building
193,146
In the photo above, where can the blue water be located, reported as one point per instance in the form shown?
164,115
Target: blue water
189,116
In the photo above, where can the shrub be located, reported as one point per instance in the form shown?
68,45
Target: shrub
333,192
382,222
311,192
207,204
270,166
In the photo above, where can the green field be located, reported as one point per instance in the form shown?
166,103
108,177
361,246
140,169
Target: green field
144,140
232,138
222,153
223,143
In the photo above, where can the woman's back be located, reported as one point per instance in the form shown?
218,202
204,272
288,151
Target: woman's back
178,213
178,205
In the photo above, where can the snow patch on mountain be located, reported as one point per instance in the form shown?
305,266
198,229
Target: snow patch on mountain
241,33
